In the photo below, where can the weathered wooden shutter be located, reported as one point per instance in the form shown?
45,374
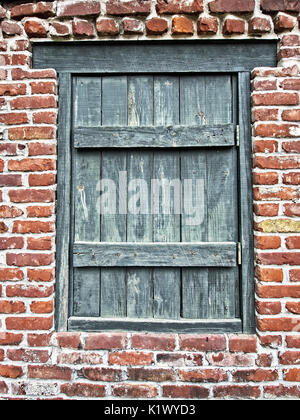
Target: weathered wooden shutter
155,266
154,111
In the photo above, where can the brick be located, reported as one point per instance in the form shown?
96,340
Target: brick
264,360
234,26
133,26
289,358
41,180
203,375
80,358
245,344
50,372
265,178
268,308
28,356
293,341
11,28
21,74
291,115
37,149
69,340
153,341
29,291
31,133
10,274
38,340
78,8
292,178
20,45
43,88
107,341
293,307
40,211
12,89
2,12
41,9
269,274
23,260
10,180
130,358
281,391
45,117
267,242
290,40
131,7
279,258
277,324
256,375
179,359
232,6
268,84
59,29
83,28
292,210
107,26
102,374
229,359
156,26
153,375
291,84
266,209
182,25
12,372
280,5
289,53
3,227
83,390
3,386
14,118
284,22
185,391
293,242
33,102
179,6
292,375
40,275
8,149
207,25
135,391
9,307
31,196
42,307
259,25
265,114
11,243
277,162
44,243
35,28
190,342
9,339
271,341
275,98
25,226
236,392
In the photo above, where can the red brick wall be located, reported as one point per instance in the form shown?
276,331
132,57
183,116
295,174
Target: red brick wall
36,362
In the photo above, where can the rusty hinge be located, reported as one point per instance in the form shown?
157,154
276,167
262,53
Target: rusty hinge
239,251
238,136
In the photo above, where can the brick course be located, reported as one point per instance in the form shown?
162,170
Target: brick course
261,366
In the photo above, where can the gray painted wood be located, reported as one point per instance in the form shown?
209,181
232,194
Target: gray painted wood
139,226
166,224
156,254
158,137
63,220
85,176
196,327
246,203
155,56
113,226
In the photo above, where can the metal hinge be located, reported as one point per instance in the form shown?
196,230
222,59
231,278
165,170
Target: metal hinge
238,136
239,251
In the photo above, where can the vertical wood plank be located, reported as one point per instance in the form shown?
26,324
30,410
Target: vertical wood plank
86,175
113,226
63,221
246,200
139,226
166,224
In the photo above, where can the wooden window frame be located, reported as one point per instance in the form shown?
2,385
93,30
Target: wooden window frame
188,57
